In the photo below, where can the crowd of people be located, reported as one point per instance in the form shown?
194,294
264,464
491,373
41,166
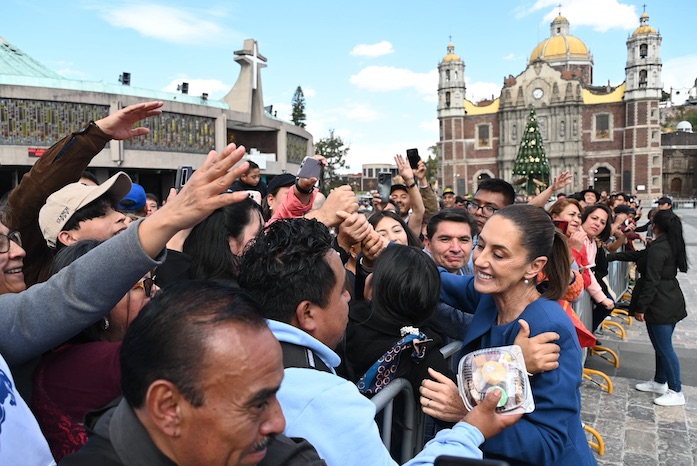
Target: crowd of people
244,323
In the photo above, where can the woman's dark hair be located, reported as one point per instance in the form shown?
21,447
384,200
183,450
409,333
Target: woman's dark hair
208,244
670,225
605,234
406,285
540,238
63,258
412,239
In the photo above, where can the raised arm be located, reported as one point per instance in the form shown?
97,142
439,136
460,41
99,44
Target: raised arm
563,180
417,203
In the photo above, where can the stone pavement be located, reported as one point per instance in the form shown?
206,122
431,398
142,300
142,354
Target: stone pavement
637,432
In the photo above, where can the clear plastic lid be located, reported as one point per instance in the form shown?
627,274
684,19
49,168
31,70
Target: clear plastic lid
503,367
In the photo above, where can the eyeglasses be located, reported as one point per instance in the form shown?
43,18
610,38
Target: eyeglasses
146,284
10,236
487,210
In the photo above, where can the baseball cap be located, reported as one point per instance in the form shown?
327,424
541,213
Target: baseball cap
134,200
398,186
62,205
448,191
665,200
280,181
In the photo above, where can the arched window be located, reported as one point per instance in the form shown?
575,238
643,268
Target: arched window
643,50
601,180
643,78
447,75
447,99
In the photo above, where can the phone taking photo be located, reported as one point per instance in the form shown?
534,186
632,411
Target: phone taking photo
184,172
384,186
413,157
310,168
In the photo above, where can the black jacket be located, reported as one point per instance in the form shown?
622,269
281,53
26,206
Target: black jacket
657,293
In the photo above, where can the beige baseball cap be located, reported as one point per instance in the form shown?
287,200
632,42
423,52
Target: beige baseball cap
62,205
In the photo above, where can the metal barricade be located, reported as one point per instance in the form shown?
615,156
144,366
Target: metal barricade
413,417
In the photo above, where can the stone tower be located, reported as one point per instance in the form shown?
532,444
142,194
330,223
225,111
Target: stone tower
641,154
451,113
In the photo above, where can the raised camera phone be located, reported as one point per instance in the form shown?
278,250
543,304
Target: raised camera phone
413,157
444,460
563,225
184,172
254,195
384,186
310,168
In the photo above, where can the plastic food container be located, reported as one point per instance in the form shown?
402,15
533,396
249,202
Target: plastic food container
503,367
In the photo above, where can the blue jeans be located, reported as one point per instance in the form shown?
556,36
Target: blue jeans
667,363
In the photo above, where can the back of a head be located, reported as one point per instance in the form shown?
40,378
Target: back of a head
540,238
286,265
209,246
168,339
406,285
670,225
69,254
497,185
453,214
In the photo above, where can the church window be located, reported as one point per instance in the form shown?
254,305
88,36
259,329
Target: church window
514,132
447,99
643,50
642,78
602,126
562,129
483,136
455,72
447,75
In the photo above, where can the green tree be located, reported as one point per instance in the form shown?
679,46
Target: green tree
531,162
334,150
432,164
298,116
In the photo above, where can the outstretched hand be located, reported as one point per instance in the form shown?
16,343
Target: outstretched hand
561,181
539,353
485,418
199,197
119,125
440,398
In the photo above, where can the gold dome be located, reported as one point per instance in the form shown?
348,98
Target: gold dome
451,56
644,27
560,19
560,47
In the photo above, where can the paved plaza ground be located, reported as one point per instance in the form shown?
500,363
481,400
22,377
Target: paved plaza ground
637,432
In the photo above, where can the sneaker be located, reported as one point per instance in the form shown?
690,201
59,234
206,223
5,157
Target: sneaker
671,398
653,387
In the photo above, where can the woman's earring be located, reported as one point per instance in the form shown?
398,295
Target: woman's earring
526,281
105,323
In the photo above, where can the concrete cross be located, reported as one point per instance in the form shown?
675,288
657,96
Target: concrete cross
256,63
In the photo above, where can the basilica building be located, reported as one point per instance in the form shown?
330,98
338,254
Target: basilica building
609,137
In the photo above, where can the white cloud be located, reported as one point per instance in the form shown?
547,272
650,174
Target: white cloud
388,79
601,15
67,70
509,57
178,25
372,50
482,90
430,126
309,92
679,73
214,88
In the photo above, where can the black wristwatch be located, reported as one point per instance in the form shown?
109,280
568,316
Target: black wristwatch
297,186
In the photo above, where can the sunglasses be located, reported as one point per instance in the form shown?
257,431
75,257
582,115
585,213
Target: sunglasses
146,284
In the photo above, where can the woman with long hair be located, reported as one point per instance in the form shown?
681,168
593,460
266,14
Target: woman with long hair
658,300
515,245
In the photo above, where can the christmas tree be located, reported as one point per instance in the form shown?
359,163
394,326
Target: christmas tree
531,162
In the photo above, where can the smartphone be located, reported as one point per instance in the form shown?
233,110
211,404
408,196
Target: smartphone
183,174
563,225
384,186
444,460
254,195
413,157
310,168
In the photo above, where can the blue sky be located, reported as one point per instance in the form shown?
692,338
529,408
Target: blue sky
368,69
